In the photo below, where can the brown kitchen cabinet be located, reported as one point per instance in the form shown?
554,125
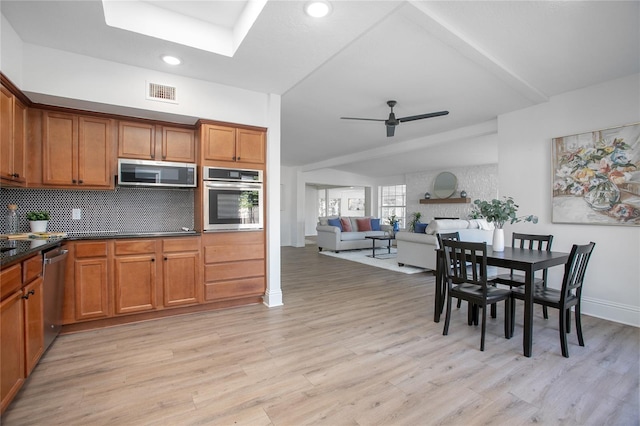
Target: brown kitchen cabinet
77,151
91,283
227,144
12,139
234,265
134,275
181,271
21,325
147,141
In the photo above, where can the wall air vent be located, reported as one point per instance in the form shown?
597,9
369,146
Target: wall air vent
161,92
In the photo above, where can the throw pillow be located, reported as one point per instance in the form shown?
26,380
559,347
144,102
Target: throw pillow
346,224
375,225
419,228
335,222
364,224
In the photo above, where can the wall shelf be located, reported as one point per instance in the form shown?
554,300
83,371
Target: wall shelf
445,201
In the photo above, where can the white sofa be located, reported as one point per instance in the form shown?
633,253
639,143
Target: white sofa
333,238
418,249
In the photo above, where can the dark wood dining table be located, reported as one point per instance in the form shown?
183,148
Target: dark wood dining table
528,261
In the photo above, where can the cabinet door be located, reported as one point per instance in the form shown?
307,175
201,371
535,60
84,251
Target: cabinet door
218,143
19,141
11,348
136,140
6,134
59,149
178,145
33,302
135,279
91,288
180,278
250,146
95,152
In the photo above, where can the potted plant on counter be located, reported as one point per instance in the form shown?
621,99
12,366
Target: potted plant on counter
499,212
38,220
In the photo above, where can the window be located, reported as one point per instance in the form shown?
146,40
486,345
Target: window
393,202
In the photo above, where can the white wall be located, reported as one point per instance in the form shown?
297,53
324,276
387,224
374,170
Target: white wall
612,287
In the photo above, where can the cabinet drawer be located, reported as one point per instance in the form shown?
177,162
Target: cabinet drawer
10,280
171,245
91,249
216,254
234,288
32,269
134,247
229,271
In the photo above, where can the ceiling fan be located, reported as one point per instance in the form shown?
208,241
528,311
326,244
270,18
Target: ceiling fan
392,121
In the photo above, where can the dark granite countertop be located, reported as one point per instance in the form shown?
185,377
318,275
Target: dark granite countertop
13,251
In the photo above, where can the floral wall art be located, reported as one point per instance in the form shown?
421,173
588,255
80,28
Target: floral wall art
596,177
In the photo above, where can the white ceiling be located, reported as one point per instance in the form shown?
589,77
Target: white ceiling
477,59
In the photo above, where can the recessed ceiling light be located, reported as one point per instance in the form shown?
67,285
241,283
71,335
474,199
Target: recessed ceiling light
171,60
318,8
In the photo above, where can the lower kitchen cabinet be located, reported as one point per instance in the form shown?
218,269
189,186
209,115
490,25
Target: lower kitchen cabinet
21,325
234,265
134,275
91,280
181,271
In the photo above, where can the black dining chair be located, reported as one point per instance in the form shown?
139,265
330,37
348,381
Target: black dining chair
569,295
446,236
466,278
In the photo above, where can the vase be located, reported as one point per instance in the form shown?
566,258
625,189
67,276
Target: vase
603,196
38,225
396,227
498,239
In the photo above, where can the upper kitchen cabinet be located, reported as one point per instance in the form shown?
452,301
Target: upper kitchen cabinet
12,139
222,145
77,151
148,141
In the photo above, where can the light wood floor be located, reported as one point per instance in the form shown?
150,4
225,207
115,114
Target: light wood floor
353,345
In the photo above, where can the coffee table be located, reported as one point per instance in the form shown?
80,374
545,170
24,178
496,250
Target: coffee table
386,238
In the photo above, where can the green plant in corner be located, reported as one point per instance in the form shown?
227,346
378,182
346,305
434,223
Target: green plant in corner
38,215
415,218
499,212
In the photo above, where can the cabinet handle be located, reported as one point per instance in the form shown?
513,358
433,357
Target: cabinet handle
73,180
15,175
233,158
31,292
80,182
238,158
153,260
165,258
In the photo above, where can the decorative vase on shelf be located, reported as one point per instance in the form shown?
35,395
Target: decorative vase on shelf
498,239
38,225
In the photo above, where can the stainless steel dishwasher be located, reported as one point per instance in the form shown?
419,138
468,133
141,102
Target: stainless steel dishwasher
53,274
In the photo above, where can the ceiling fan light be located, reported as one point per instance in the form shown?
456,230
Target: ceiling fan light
317,8
171,60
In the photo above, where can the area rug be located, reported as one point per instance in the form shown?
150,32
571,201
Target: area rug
382,259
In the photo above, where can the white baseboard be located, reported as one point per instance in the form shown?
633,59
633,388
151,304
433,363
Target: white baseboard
625,314
272,299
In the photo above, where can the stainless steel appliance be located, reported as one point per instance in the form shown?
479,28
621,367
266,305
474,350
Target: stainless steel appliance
53,292
232,199
156,173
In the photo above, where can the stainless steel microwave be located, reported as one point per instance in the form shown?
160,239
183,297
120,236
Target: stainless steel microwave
156,173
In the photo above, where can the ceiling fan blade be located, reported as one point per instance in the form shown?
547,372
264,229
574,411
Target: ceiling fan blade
421,116
366,119
391,131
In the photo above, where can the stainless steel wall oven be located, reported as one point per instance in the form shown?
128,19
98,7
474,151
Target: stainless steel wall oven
232,199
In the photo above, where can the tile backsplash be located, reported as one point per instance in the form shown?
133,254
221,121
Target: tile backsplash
120,210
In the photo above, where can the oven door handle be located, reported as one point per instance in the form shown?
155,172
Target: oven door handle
233,185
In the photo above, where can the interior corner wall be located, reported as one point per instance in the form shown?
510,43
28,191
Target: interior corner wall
10,52
612,285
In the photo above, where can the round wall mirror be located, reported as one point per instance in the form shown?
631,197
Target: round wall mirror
445,185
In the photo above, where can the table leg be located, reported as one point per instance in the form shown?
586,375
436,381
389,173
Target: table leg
527,338
373,254
389,246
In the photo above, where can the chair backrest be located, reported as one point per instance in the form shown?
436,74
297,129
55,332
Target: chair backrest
447,236
532,241
574,270
465,262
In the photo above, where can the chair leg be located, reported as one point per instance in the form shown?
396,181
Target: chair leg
459,303
484,325
545,312
568,318
447,317
562,322
512,302
494,311
475,314
579,325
